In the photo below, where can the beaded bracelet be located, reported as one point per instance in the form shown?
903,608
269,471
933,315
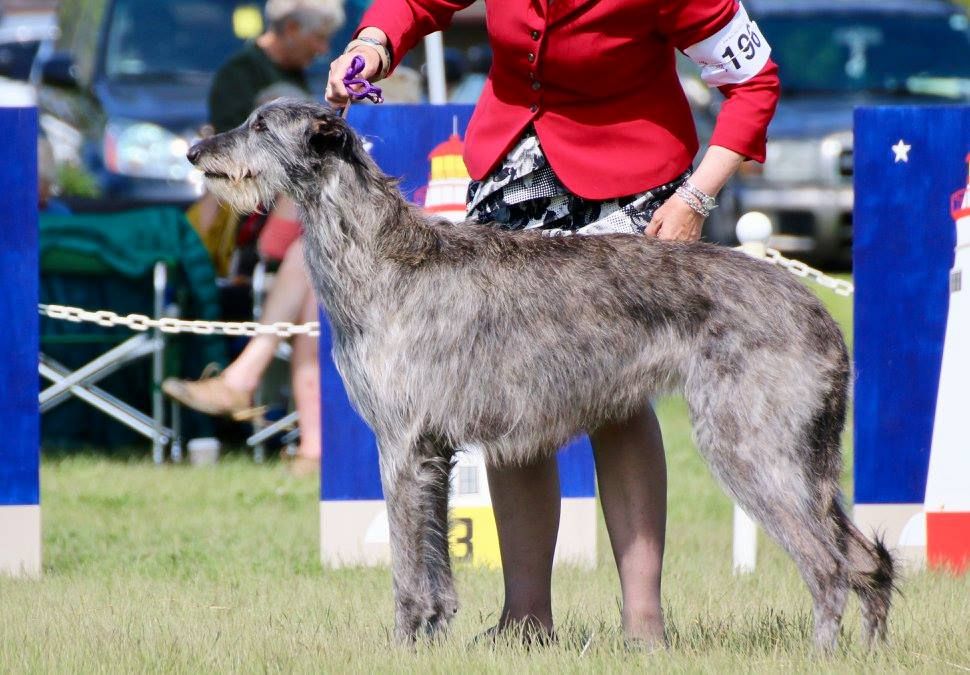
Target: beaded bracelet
699,201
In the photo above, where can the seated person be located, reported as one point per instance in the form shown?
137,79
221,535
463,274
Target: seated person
299,31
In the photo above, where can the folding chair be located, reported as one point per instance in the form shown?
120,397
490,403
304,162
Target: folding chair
286,425
81,382
149,262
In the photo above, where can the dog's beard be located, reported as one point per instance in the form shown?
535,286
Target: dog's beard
241,185
242,196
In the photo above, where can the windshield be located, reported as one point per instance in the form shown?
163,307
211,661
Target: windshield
847,52
176,39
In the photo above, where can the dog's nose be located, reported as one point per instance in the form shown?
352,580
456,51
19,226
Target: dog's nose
194,152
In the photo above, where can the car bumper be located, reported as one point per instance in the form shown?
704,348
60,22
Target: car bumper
149,191
120,193
812,221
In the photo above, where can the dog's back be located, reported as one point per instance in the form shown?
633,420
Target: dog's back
623,317
580,330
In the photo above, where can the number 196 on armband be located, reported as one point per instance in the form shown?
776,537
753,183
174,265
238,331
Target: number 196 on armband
747,44
734,54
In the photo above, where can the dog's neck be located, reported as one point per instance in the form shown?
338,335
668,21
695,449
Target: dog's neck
344,213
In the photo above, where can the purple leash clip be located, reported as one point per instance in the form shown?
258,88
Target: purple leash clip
369,91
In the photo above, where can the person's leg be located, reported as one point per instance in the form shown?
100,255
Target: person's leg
632,475
305,377
285,302
232,391
526,504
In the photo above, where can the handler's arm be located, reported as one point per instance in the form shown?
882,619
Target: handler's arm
733,55
675,220
398,25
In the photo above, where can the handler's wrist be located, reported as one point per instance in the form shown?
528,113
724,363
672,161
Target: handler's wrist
376,46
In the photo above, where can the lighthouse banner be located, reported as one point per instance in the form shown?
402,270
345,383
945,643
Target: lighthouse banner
421,145
911,257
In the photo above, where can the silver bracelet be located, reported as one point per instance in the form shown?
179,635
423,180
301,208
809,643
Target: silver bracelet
688,198
696,198
707,200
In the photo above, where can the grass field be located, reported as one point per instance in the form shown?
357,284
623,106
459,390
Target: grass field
177,569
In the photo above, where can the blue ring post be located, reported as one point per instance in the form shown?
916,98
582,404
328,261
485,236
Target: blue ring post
911,394
19,381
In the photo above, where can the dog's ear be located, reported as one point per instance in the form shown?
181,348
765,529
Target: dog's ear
328,135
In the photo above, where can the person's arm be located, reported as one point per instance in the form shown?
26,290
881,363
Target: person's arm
676,219
396,24
734,57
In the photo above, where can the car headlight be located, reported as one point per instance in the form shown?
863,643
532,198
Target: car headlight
791,161
146,150
826,160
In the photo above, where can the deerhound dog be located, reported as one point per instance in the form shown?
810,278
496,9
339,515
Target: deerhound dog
453,335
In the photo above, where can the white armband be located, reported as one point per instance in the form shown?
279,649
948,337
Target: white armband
734,54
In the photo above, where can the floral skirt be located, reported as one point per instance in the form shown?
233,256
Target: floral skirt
524,193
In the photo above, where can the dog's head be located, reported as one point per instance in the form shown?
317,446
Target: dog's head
285,146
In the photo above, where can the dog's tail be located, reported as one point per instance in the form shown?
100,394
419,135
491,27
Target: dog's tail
872,574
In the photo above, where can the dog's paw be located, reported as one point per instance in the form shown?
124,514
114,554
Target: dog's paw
445,609
411,613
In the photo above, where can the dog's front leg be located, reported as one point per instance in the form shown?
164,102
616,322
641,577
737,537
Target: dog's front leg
439,556
405,478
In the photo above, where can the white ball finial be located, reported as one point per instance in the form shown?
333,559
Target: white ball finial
753,227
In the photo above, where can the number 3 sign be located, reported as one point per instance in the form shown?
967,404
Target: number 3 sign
734,54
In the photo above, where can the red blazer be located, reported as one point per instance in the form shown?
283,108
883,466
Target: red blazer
597,78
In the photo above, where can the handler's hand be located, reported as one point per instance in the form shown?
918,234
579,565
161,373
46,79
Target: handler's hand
336,92
676,221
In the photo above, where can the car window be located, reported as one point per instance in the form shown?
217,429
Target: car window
867,51
16,59
176,38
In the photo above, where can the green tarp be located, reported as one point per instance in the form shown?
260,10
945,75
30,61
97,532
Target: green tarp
105,261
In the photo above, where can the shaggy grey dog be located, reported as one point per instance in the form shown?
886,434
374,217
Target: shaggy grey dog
449,335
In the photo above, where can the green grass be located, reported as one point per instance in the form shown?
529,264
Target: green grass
199,570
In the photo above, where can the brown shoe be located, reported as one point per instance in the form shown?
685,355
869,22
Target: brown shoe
302,465
210,395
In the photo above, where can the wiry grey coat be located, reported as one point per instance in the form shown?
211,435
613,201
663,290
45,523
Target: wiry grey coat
449,335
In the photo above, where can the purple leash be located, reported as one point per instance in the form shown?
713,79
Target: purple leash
368,91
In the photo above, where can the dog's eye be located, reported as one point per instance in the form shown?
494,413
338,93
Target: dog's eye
259,125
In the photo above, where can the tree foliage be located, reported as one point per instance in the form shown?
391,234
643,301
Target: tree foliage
80,21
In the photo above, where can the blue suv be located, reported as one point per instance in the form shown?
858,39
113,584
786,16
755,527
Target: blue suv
139,95
834,55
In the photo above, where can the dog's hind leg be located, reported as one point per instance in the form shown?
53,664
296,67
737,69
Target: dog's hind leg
770,426
415,481
774,487
794,518
797,522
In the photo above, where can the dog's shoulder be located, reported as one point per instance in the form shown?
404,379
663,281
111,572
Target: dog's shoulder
417,241
422,241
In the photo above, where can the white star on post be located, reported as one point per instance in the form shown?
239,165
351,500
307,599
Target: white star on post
902,151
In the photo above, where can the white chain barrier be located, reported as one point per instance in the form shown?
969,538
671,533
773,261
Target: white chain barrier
754,232
800,269
141,322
